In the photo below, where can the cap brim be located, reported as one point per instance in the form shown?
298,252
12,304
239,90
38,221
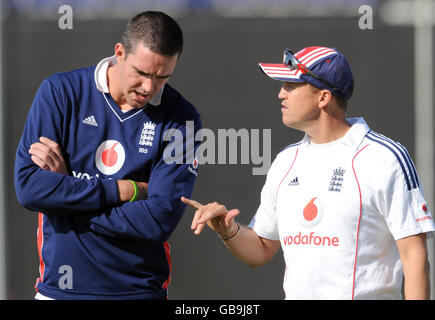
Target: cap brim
280,72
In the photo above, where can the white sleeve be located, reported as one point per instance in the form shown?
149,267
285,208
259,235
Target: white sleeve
406,211
264,223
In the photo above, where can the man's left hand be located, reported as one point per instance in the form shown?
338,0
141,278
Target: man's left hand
47,155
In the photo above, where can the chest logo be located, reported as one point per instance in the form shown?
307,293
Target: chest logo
294,182
336,180
91,121
110,157
147,134
312,213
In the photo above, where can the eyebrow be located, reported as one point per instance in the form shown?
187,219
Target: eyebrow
143,73
295,84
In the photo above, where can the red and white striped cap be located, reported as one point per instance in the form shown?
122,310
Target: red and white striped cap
327,63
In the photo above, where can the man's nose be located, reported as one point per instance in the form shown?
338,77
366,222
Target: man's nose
281,94
148,84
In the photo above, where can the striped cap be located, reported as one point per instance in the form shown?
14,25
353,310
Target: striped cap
329,64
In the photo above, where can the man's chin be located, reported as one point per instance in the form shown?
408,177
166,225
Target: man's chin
137,104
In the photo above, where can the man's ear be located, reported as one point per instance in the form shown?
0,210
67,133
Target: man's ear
120,52
324,98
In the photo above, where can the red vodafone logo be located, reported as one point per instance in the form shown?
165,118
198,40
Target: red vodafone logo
110,157
195,163
424,207
312,213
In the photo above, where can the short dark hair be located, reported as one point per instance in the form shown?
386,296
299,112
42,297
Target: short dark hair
341,102
156,30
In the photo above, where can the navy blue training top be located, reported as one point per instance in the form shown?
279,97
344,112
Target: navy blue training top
90,245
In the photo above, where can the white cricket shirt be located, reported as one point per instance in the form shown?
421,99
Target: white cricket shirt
337,209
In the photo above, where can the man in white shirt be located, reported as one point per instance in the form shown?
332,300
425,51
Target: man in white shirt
345,204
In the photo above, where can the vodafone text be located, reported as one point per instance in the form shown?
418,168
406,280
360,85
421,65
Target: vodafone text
83,175
424,218
310,239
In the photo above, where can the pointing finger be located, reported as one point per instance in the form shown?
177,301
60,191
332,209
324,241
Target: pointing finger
192,203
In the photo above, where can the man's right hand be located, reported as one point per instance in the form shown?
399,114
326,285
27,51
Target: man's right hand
249,247
215,215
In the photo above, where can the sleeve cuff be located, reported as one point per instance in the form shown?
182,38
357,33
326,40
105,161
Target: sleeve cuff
111,191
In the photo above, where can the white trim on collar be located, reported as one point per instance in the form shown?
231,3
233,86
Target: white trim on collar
100,77
39,296
353,137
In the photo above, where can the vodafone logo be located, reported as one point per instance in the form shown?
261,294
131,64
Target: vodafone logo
424,207
195,163
309,217
312,213
110,157
426,216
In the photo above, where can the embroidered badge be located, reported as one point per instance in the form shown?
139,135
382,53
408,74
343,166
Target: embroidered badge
337,180
147,136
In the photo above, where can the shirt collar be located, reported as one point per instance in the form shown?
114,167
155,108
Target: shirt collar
354,136
100,76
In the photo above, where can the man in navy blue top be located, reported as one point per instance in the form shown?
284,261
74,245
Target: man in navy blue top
93,161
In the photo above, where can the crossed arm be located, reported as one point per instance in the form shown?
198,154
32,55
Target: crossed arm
154,217
47,155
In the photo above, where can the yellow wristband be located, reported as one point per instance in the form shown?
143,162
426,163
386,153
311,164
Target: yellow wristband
135,191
